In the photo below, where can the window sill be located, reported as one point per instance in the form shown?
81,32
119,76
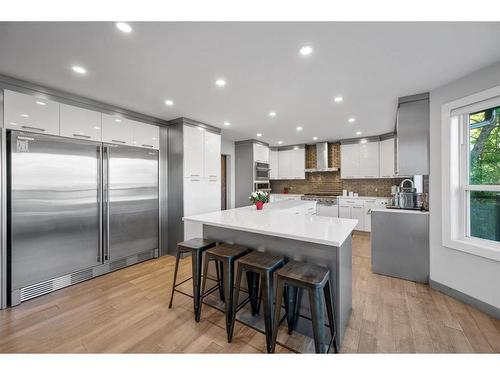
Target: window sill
482,248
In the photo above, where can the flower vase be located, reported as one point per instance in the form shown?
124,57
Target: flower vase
259,205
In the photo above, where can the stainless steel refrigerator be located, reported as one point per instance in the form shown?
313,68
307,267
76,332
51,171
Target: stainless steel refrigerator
78,209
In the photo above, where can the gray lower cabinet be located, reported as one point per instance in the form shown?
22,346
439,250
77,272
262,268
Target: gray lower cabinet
400,245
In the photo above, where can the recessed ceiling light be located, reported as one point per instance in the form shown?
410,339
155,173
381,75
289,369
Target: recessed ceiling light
358,133
169,102
259,134
227,123
338,99
220,82
295,147
41,103
315,138
364,140
79,69
299,128
24,115
306,50
351,120
13,123
123,27
96,127
272,114
280,142
118,120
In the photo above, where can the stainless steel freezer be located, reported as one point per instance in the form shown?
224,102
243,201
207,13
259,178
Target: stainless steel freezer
131,201
78,209
54,210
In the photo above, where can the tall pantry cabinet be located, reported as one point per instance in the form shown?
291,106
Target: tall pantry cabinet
194,176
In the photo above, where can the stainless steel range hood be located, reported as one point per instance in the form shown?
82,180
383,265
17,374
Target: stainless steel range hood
322,159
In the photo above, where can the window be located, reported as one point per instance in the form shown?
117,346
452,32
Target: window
471,174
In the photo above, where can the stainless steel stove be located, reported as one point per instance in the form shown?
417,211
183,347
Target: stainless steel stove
324,198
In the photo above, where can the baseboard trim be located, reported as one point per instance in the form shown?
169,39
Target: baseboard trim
480,305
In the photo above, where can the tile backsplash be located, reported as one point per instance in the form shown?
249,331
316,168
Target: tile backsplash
330,182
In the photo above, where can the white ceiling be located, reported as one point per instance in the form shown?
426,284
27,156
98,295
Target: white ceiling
369,64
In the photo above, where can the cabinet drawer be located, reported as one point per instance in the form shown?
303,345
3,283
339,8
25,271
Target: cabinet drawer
80,123
117,130
29,113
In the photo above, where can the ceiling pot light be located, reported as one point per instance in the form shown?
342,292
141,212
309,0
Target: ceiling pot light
227,123
305,50
363,140
351,120
169,102
220,82
24,115
299,128
315,138
358,133
118,120
123,27
272,114
79,69
280,142
338,99
296,147
41,103
259,134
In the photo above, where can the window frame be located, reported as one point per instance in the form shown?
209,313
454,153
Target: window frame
456,185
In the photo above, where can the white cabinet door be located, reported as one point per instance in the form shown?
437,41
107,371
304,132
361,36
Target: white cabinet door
387,158
80,123
274,165
212,157
327,210
117,130
212,195
369,204
260,153
193,151
368,160
358,213
298,163
349,160
344,211
29,113
146,135
285,165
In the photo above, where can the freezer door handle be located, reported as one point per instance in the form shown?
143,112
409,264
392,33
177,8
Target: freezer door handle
99,201
106,202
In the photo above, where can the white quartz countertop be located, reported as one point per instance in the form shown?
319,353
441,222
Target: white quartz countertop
281,220
288,194
360,197
401,211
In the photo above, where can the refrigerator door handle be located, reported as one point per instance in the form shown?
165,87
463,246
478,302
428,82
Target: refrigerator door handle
99,201
106,203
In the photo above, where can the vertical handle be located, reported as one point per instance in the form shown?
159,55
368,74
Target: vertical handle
106,201
99,201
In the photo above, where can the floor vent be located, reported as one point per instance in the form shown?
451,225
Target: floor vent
48,286
117,264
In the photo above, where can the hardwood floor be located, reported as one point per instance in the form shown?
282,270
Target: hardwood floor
127,312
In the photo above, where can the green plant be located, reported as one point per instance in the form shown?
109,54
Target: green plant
259,196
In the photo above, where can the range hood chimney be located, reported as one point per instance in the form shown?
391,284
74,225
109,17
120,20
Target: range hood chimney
322,159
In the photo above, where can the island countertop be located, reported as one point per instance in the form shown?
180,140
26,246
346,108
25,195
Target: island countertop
287,219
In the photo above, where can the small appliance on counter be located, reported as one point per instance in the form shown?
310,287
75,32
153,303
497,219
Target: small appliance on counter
406,196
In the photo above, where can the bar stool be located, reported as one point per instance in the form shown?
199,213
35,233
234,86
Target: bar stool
227,254
262,265
314,279
195,246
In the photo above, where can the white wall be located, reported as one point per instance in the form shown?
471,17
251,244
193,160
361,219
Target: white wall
475,276
227,148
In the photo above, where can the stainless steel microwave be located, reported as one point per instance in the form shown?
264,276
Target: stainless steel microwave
262,171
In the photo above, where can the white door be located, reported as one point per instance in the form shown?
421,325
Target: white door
344,211
284,161
29,113
327,210
193,151
80,123
212,155
369,160
274,165
212,195
358,213
117,130
387,158
349,160
369,204
146,135
298,163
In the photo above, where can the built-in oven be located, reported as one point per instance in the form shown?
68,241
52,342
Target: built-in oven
262,171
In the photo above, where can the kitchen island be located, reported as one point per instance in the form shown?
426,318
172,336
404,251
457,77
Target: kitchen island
292,229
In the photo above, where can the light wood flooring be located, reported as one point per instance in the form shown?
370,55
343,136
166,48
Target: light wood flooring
126,312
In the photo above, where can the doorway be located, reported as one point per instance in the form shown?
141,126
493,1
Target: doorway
223,174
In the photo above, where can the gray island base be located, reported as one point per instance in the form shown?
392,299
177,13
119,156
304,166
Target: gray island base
337,259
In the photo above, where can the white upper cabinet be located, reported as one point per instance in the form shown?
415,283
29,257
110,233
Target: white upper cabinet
349,160
285,164
273,164
212,155
117,130
193,151
298,163
80,123
146,135
387,158
368,160
260,153
29,113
